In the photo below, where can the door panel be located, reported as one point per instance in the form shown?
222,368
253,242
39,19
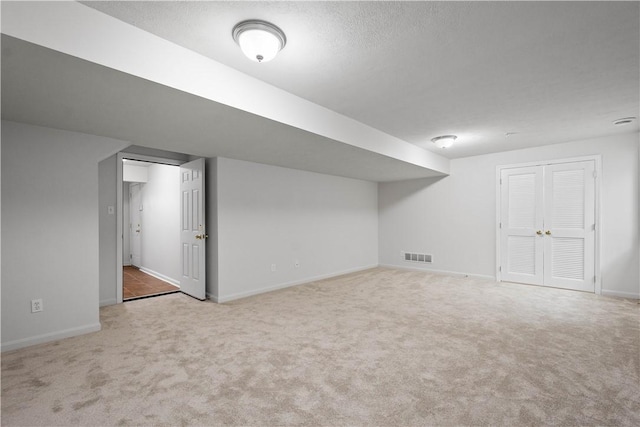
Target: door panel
193,229
521,213
570,225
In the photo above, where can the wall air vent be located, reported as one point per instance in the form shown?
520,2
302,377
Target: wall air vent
412,257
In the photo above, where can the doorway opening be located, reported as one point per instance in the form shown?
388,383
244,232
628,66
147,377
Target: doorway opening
167,219
151,229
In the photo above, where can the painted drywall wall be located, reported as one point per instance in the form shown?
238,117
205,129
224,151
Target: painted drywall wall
50,232
131,173
107,235
453,218
160,217
211,209
276,216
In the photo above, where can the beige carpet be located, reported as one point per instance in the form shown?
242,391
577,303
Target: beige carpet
382,347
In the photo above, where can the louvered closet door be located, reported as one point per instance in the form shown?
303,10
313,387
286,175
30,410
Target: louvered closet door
521,221
569,224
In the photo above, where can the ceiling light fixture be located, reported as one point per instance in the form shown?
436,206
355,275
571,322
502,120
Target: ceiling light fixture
444,141
259,40
624,121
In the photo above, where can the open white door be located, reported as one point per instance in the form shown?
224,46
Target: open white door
193,229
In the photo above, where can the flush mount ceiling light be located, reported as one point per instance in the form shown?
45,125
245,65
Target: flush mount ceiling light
444,141
259,40
624,121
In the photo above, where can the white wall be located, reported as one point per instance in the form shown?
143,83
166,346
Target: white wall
108,237
50,232
454,218
126,236
131,173
211,209
160,217
271,215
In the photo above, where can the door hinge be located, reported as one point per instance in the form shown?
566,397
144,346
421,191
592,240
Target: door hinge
500,268
500,225
594,279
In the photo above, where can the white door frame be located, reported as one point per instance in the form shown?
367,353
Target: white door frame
598,170
119,209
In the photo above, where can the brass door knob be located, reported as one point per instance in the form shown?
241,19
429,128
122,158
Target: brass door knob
548,232
539,232
202,236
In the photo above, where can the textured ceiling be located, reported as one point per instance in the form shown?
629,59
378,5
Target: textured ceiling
547,72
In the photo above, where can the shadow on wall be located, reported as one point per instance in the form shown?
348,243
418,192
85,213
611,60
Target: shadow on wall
405,189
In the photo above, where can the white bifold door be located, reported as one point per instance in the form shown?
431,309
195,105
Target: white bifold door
547,225
193,229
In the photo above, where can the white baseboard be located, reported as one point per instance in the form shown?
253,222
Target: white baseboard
110,301
227,298
431,270
52,336
160,276
618,294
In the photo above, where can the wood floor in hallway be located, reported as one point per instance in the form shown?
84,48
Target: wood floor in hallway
137,284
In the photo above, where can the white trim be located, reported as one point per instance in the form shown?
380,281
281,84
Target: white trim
551,162
597,159
444,272
618,294
160,276
497,225
119,228
151,159
598,222
52,336
106,302
227,298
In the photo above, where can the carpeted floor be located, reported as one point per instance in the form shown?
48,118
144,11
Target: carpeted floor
381,347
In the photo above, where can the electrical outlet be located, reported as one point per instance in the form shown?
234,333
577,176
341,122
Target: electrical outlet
36,305
296,263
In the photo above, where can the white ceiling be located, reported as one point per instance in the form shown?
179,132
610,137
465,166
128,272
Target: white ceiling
549,72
